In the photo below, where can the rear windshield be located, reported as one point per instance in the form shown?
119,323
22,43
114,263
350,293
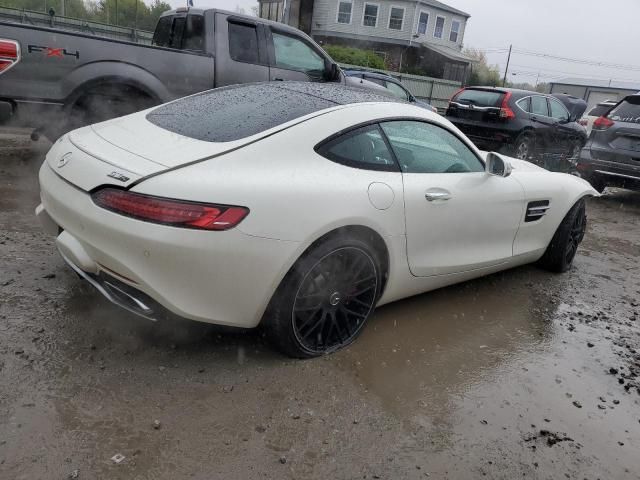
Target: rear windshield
479,98
599,110
627,111
231,113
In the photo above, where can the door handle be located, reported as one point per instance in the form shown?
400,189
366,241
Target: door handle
534,119
431,196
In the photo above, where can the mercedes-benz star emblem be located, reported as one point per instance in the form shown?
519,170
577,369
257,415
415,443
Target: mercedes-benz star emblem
64,159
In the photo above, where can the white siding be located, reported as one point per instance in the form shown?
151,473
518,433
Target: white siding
325,19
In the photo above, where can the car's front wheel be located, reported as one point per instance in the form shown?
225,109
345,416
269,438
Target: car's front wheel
325,300
563,247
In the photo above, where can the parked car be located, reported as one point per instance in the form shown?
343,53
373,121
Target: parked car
304,207
56,80
391,84
611,157
519,122
598,111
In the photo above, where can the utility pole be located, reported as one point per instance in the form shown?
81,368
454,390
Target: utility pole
504,80
116,12
62,9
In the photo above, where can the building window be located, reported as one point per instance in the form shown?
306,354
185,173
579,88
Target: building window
439,30
423,23
396,16
272,10
455,31
344,12
370,18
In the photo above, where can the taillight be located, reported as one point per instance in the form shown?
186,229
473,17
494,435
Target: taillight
602,123
9,54
505,111
176,213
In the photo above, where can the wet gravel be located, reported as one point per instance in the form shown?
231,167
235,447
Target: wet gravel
519,374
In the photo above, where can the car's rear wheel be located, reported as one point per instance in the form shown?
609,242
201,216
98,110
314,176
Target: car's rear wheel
563,247
325,300
523,147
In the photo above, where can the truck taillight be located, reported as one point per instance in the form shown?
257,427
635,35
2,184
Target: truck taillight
505,110
9,54
167,211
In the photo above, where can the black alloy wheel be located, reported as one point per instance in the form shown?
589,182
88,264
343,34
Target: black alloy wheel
576,234
334,300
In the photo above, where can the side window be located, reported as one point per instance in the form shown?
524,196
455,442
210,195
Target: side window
397,91
294,54
426,148
194,33
525,104
162,34
176,34
539,106
243,42
558,111
361,148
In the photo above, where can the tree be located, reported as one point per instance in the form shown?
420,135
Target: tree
482,73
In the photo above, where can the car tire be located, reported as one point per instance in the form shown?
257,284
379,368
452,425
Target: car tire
522,148
325,300
563,246
598,184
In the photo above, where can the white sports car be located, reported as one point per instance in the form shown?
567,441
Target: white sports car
298,206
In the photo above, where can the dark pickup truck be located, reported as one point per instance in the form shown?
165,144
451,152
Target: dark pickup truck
55,80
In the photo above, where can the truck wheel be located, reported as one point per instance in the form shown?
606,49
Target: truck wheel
99,104
564,244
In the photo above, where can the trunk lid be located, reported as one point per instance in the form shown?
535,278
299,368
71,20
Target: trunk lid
476,104
621,141
124,150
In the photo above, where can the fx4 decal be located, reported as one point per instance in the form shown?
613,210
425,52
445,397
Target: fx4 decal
53,52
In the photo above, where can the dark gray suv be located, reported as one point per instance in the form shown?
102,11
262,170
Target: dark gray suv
611,156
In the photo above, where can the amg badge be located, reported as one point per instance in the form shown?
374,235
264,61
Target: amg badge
118,176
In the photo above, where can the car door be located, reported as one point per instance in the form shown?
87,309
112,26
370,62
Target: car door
541,121
241,51
562,133
458,218
293,58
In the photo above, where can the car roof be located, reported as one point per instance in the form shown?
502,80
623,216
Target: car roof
231,113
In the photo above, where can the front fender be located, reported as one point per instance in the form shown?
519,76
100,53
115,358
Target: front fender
562,191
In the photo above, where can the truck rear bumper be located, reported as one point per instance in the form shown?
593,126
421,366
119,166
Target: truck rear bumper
33,114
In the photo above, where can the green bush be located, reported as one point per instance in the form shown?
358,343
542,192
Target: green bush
355,56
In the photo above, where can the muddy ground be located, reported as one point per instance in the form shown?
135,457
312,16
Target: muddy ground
520,374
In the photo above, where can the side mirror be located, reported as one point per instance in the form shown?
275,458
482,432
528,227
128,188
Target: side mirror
496,165
331,71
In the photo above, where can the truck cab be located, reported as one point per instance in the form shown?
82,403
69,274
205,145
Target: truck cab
246,49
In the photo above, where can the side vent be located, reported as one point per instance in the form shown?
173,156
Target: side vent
536,210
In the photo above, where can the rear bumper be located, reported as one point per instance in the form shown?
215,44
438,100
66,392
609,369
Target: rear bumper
32,114
608,172
484,136
226,278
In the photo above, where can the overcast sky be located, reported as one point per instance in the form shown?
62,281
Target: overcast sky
603,31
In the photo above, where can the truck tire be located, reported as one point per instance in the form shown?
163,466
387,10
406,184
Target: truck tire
101,103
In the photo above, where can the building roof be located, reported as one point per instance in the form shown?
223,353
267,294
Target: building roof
592,82
450,53
443,6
